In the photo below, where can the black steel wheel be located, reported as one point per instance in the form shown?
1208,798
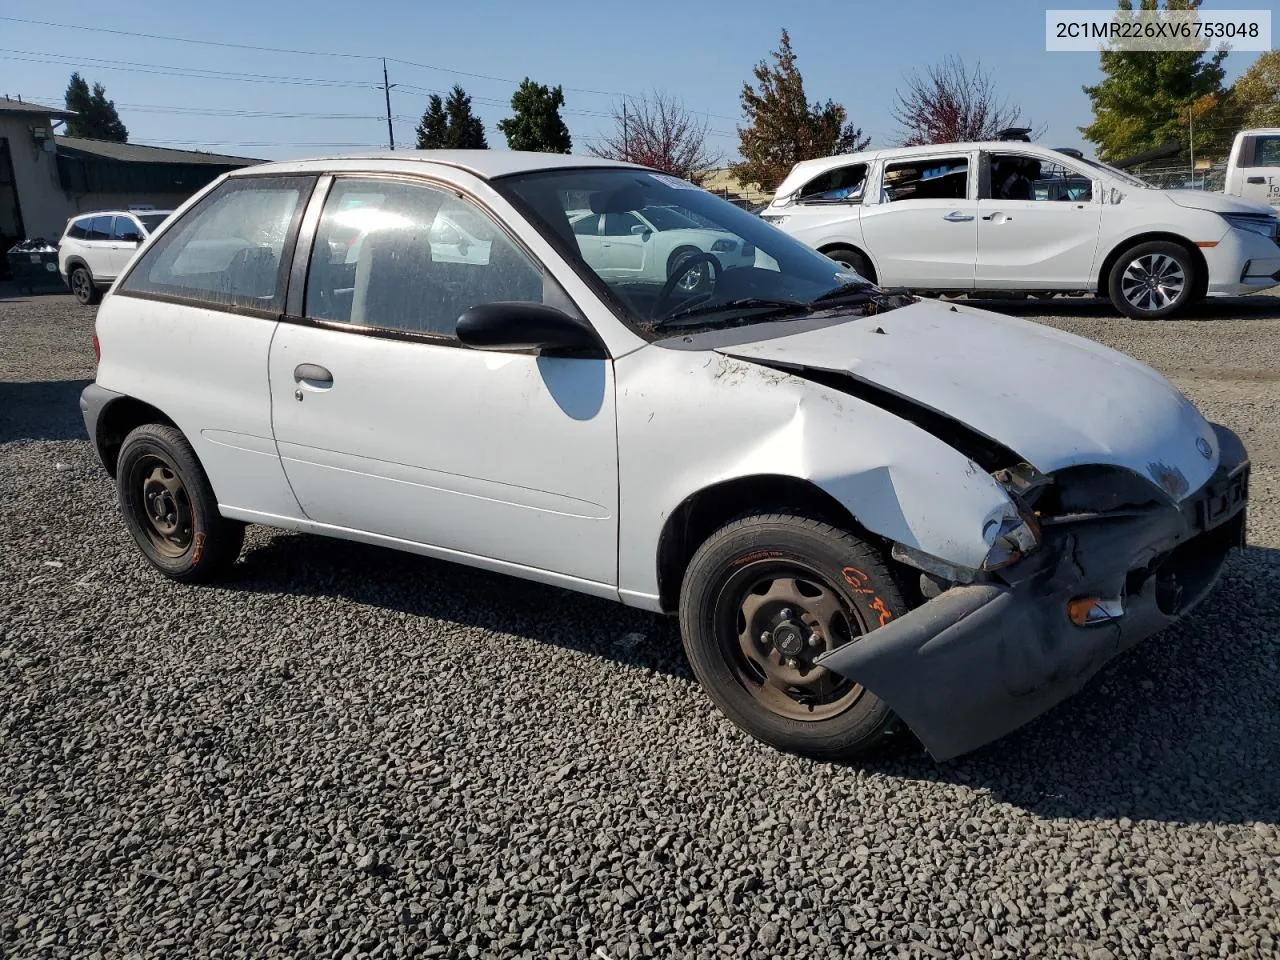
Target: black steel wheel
170,508
763,598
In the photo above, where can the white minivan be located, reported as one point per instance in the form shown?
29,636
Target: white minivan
1253,170
999,217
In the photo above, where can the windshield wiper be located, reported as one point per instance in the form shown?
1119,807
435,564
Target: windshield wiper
742,303
852,288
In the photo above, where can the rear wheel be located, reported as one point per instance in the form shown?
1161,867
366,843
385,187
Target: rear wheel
762,599
170,508
851,259
1153,280
82,286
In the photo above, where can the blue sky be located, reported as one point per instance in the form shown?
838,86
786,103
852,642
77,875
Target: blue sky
855,52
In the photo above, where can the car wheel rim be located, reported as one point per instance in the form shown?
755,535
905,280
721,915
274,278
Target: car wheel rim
80,284
691,280
1153,282
163,502
773,620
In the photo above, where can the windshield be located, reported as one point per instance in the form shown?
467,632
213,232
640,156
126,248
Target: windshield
152,220
1118,173
671,256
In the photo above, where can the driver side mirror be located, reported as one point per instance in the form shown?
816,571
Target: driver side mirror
641,231
130,238
523,325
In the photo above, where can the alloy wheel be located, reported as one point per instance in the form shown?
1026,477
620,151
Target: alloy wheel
1153,281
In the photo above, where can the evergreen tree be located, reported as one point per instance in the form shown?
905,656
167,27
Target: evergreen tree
449,124
783,127
536,123
1146,98
433,129
96,116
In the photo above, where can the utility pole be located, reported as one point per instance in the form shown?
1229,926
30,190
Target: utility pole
1191,125
626,140
386,89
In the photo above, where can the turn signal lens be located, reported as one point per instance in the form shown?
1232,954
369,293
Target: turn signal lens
1091,611
97,349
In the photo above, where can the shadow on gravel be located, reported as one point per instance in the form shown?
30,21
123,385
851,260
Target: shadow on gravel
1183,729
1224,308
41,410
305,565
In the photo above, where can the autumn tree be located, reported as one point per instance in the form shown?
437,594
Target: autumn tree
659,131
1256,92
783,127
952,103
96,116
449,124
1147,98
536,123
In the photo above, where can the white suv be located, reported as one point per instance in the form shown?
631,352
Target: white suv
864,507
96,247
984,218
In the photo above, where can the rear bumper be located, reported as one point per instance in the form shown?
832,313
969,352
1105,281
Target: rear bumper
979,661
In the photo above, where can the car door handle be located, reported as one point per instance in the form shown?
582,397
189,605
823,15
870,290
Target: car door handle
313,374
1257,179
1005,220
955,216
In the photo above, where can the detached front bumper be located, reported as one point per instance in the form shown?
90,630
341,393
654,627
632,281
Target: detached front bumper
979,661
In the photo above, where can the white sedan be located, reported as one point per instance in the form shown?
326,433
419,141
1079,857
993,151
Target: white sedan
1007,217
865,508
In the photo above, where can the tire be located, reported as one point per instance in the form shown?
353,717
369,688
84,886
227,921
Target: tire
82,286
853,260
723,614
703,270
1174,279
158,473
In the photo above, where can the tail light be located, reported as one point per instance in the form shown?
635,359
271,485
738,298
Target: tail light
97,350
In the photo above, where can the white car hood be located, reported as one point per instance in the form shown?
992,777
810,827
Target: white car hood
1216,202
1055,399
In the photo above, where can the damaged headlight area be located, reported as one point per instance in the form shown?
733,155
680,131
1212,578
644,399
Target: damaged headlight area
1012,536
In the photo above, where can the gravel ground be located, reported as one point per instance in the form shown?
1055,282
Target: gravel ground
350,752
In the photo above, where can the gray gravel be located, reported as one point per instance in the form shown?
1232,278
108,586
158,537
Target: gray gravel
350,752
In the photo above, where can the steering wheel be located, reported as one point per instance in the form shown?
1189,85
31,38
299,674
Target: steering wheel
679,273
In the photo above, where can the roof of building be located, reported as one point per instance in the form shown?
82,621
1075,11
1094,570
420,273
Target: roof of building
9,105
140,153
486,164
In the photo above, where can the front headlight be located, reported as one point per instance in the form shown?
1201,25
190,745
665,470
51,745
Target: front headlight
1012,536
724,246
1259,223
775,218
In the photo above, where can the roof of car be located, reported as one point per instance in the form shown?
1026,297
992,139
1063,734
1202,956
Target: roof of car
486,164
119,213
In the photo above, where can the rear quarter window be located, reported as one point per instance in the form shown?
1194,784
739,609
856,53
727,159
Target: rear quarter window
79,230
231,250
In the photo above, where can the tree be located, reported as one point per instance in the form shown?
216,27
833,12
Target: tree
1145,98
659,131
96,116
952,103
783,127
449,124
536,123
1256,92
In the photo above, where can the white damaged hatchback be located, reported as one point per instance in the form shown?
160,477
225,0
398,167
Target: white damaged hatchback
867,509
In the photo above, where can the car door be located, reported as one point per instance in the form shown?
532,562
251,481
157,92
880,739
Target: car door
921,231
1038,224
624,242
126,235
1260,168
388,426
825,210
96,248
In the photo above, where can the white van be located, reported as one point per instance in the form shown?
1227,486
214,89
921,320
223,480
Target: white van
1253,172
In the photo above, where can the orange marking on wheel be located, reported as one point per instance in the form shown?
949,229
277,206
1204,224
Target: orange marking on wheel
878,606
857,579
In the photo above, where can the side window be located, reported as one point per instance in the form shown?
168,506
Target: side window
620,224
126,231
935,178
406,256
79,229
587,226
100,228
1266,151
1020,177
841,185
231,250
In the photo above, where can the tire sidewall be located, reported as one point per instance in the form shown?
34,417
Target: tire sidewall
170,446
85,299
855,260
1185,299
848,566
703,267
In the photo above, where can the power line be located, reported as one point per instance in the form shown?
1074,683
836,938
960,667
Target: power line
197,73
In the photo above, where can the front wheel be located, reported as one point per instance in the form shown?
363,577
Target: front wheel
170,509
1153,280
762,599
